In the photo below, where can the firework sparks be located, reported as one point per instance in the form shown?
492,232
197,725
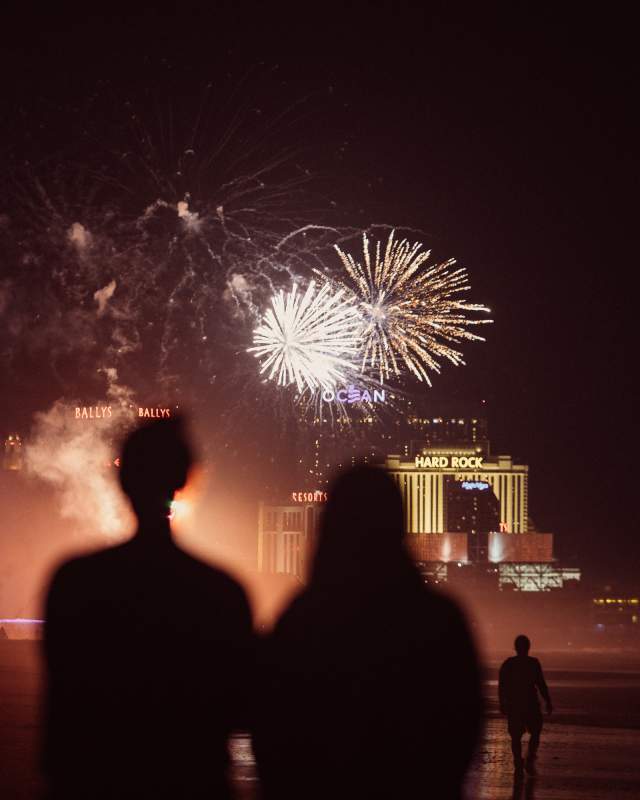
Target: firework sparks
309,339
412,316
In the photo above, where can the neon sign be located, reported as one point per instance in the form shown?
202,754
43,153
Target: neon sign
446,462
93,412
309,497
154,413
105,412
474,485
353,394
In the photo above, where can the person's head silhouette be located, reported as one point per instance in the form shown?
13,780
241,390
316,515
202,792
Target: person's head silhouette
154,464
362,531
522,645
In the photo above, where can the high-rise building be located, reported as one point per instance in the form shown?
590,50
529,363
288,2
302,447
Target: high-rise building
463,506
423,481
472,507
419,431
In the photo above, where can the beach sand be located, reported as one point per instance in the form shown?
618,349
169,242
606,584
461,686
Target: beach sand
589,747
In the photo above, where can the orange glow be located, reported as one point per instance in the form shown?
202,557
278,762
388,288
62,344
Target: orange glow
185,502
182,506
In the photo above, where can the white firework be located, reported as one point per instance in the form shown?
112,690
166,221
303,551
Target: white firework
310,340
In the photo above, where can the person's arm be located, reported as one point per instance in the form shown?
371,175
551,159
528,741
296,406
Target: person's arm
543,688
502,688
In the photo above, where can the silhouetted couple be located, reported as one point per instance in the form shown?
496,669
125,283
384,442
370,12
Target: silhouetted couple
368,686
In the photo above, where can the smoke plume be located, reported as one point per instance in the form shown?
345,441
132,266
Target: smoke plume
102,296
76,456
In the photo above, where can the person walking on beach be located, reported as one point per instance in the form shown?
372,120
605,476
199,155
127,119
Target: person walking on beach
369,685
145,649
520,680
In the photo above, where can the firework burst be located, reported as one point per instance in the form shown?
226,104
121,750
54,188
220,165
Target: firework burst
310,340
412,316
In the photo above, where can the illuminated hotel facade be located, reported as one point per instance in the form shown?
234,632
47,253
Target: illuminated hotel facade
463,507
423,484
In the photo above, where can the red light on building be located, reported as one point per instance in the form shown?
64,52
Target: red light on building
532,548
431,547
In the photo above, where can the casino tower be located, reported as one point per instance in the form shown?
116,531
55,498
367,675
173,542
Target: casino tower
466,510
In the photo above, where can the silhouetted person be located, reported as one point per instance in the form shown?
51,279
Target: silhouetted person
145,649
523,790
520,681
369,682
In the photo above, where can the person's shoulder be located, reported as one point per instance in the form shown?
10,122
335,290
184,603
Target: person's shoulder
435,619
302,604
212,577
440,601
303,612
81,576
508,662
441,607
78,566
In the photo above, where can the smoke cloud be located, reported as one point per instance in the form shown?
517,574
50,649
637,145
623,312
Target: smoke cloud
76,456
102,296
239,292
79,236
191,219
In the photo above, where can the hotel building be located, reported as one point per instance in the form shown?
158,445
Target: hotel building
423,482
286,533
462,505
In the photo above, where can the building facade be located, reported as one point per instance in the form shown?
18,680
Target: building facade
423,483
470,506
466,511
286,534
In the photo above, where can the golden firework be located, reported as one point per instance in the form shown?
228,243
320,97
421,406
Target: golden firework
412,315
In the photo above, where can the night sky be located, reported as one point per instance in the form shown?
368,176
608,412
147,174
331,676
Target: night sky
506,139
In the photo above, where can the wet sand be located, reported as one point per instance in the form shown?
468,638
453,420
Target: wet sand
589,747
575,763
